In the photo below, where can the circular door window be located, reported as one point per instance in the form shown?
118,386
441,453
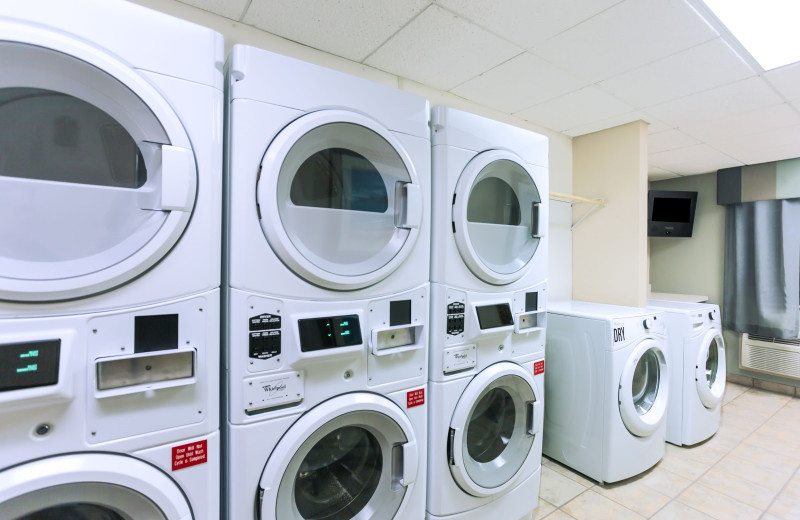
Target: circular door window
97,176
491,429
643,389
352,457
710,370
339,198
90,486
496,213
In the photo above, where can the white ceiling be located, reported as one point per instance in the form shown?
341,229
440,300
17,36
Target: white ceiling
575,66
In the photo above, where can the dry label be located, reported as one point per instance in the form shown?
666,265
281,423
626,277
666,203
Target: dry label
415,398
538,367
188,455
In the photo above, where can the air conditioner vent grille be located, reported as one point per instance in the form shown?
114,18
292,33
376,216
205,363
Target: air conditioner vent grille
773,356
767,339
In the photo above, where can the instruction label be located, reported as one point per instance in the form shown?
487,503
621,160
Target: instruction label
188,455
538,367
415,398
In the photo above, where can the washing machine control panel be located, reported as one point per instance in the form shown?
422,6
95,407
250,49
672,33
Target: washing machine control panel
29,364
265,336
455,318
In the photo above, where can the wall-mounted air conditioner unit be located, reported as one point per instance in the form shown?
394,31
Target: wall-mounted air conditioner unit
780,357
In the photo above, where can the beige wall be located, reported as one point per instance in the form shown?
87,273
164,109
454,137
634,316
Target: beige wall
560,145
609,248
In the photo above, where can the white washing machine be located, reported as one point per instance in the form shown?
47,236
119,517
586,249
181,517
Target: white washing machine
488,301
607,388
328,179
697,376
110,157
333,423
491,193
115,416
327,254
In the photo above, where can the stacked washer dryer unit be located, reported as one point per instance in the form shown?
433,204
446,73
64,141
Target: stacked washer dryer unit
608,391
110,173
328,248
488,297
697,376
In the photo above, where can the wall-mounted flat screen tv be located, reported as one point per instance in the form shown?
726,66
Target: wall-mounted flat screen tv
670,213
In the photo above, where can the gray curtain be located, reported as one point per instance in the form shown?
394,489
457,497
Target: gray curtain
762,268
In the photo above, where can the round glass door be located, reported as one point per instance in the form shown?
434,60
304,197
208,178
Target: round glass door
341,466
97,176
90,486
498,225
492,429
710,370
339,199
643,389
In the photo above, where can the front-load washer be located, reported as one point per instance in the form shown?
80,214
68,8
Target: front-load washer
697,376
491,199
328,181
486,385
327,413
112,415
607,388
110,157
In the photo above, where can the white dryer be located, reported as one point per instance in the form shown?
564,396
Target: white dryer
110,157
97,424
333,425
697,376
607,388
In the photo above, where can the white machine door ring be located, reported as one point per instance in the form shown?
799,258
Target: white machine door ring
643,389
497,220
88,486
352,457
339,199
493,429
97,175
710,369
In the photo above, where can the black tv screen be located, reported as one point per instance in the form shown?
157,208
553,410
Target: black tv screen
670,213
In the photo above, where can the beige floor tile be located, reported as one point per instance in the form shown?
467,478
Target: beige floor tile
779,442
665,482
567,472
680,511
745,417
560,515
708,454
732,391
747,491
590,505
762,400
635,496
716,504
764,457
677,462
558,489
743,468
770,517
543,509
786,507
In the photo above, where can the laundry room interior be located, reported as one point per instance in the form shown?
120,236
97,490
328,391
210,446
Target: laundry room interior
530,259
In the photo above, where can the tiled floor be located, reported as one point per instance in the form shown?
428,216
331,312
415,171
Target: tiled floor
749,470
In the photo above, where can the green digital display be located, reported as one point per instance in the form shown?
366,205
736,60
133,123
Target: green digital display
29,364
329,332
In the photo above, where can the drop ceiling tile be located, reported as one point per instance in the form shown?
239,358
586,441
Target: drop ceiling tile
232,9
525,22
725,101
774,145
519,83
692,160
626,36
441,50
575,109
700,68
745,123
351,29
669,140
786,80
655,174
603,124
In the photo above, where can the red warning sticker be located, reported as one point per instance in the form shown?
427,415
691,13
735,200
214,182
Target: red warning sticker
415,398
538,367
188,455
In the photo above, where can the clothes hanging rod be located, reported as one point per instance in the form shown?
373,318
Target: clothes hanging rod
562,197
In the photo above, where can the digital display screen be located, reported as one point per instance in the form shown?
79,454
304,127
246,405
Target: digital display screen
672,210
493,316
29,364
330,332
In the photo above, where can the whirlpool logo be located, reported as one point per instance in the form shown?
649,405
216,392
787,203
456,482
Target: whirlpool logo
272,389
